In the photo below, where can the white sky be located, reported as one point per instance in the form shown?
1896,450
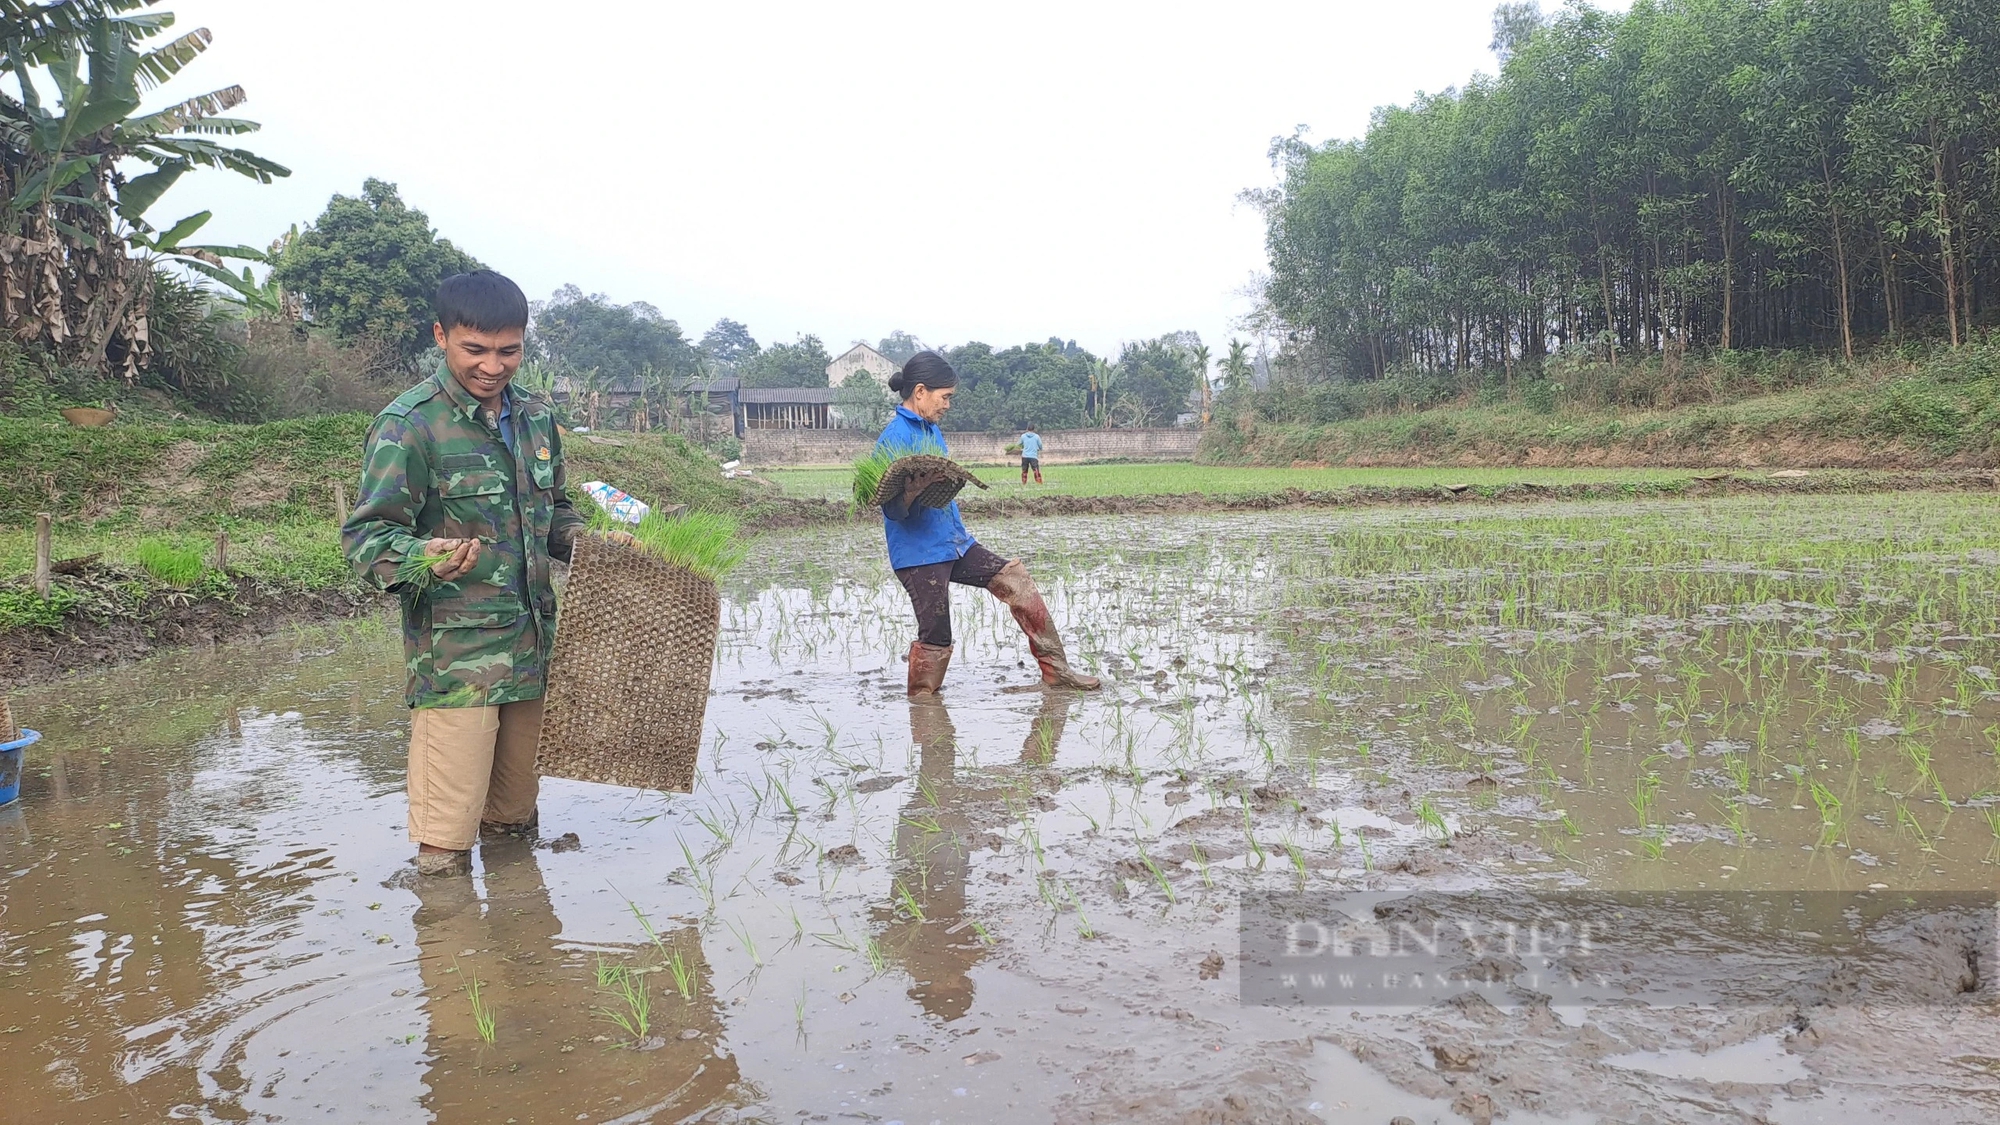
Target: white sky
1001,174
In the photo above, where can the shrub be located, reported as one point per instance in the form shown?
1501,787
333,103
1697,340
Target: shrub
287,370
192,336
25,609
1922,411
1542,396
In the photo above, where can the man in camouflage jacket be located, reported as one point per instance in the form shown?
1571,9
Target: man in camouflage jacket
462,467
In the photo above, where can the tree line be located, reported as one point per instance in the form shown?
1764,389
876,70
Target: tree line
96,292
1690,174
364,267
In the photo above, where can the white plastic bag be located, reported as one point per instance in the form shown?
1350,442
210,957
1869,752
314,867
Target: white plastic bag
616,502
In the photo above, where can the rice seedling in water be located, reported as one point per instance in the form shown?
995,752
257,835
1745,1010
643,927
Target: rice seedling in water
704,882
1251,835
1297,857
1433,820
634,1018
682,971
178,567
878,961
1083,927
742,933
908,901
1905,819
1159,876
482,1015
1832,822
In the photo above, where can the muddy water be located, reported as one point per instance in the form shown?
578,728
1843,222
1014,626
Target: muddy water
1012,906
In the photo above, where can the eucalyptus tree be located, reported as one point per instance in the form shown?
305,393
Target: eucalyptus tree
1687,174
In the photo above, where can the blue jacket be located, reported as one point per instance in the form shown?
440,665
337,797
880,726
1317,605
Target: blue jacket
929,535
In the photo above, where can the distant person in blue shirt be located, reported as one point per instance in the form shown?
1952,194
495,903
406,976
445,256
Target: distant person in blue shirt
929,548
1031,456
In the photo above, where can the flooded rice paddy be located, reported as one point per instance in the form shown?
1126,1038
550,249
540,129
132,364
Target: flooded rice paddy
1009,905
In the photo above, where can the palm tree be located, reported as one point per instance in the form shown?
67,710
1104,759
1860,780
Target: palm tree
1201,354
1236,368
68,217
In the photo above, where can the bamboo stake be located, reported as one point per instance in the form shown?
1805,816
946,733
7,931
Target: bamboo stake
339,502
42,545
222,550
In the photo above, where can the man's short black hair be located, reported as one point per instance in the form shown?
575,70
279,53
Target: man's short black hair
483,301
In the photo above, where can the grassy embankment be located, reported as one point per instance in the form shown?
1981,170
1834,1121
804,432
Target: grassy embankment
1922,407
154,487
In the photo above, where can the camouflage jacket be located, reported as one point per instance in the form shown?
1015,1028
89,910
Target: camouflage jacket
435,467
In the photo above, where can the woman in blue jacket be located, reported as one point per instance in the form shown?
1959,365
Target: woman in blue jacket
930,548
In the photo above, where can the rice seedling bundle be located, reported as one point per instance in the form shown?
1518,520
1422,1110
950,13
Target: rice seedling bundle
418,572
868,476
179,567
922,480
635,640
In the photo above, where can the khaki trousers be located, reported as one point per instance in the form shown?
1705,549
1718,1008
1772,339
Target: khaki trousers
469,764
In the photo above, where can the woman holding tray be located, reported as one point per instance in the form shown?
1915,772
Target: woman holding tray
930,548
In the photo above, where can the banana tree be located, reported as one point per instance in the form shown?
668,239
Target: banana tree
67,278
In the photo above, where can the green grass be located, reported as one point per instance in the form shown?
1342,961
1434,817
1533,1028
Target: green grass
1222,480
298,556
1911,408
201,475
170,565
139,491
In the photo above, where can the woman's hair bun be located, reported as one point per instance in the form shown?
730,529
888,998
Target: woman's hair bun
927,368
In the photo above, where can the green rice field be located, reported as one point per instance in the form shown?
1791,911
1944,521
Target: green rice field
1128,479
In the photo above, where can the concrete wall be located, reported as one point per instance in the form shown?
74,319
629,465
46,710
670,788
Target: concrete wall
771,449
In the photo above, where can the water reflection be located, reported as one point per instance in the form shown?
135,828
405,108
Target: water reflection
554,1050
926,927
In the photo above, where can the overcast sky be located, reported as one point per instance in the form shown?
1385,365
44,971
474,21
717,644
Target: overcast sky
1005,173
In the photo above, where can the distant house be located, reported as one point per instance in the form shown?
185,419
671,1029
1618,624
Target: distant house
766,408
618,392
785,408
860,357
718,397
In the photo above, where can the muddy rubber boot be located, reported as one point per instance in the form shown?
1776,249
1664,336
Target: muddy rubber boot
526,830
1013,587
927,666
444,863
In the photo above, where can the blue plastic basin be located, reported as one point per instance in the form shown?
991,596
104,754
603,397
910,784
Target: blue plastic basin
11,755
